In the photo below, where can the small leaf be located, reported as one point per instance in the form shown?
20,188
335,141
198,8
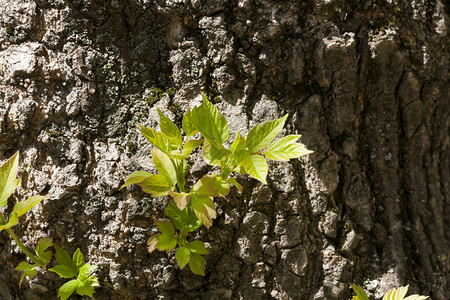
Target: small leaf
63,257
286,148
238,144
23,266
22,207
157,185
158,139
197,264
169,129
63,271
68,288
86,287
164,165
151,243
211,186
189,146
182,256
204,209
359,291
136,177
13,220
234,182
166,242
78,259
188,126
209,122
396,294
256,166
262,134
181,199
183,219
416,297
166,227
30,273
8,181
43,244
197,247
213,153
86,270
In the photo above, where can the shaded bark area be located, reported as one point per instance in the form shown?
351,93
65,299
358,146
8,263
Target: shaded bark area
366,83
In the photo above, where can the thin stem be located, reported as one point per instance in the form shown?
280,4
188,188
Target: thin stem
24,249
21,246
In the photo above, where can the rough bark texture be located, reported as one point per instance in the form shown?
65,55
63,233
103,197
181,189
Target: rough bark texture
365,82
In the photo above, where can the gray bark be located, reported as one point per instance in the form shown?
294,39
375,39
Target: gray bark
366,83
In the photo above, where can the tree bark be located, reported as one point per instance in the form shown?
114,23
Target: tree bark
366,84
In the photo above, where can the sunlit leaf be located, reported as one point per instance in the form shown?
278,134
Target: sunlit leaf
169,129
188,127
164,165
182,256
213,153
256,166
63,257
197,247
22,207
188,147
157,185
63,271
158,139
44,244
68,288
181,199
166,242
87,286
183,219
208,120
262,134
211,186
78,259
136,177
234,182
359,291
151,243
8,181
197,264
85,271
166,227
286,148
204,209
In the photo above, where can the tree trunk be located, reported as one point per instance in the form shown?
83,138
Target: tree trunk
366,84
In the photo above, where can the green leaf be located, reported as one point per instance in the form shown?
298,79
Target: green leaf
169,129
68,288
158,139
213,153
164,165
63,257
181,199
24,206
182,256
30,273
181,170
238,144
86,270
43,244
262,134
188,126
359,291
211,124
87,287
157,185
211,186
166,227
256,166
188,147
8,181
197,247
197,264
167,240
78,259
13,220
64,271
286,148
183,219
234,182
23,266
151,243
204,209
136,177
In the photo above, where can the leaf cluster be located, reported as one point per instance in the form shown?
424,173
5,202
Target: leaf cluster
393,294
191,208
68,268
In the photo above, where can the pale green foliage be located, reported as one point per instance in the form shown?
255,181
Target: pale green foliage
394,294
195,207
84,282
